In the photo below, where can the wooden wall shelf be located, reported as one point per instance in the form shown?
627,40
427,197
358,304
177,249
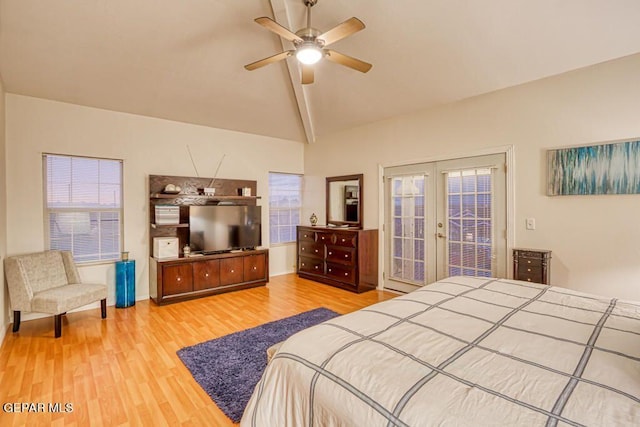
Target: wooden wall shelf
170,225
193,277
200,196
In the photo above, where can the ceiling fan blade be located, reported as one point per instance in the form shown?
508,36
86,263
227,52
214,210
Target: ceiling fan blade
340,31
307,74
347,61
272,25
269,60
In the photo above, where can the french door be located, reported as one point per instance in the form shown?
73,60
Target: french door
444,219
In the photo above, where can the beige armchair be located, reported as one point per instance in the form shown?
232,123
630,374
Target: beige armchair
48,282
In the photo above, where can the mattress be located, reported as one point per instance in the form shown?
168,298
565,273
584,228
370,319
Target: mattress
462,351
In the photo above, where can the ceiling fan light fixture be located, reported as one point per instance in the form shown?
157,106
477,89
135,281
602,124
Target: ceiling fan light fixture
308,54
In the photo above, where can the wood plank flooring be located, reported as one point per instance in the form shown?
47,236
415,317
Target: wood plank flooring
124,370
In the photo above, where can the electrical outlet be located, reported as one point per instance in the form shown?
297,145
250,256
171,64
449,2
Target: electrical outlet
531,223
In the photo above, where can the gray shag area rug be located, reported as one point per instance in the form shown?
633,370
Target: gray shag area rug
228,368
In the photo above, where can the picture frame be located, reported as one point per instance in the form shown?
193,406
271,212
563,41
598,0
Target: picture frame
609,168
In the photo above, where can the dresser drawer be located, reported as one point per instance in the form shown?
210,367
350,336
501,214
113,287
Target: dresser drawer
345,239
306,236
310,265
340,254
323,237
311,249
342,273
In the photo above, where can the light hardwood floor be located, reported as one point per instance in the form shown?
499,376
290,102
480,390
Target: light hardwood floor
124,370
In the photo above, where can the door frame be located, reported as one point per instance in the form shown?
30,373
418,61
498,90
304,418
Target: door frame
509,153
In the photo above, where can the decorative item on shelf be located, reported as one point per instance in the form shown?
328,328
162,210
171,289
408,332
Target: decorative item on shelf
124,256
172,189
246,191
125,282
313,219
165,247
167,214
186,250
209,191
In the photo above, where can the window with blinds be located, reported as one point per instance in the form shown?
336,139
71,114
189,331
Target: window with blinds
285,205
83,206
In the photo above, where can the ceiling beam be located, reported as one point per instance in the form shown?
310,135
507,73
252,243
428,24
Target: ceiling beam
283,17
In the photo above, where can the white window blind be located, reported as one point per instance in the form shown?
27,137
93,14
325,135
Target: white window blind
83,206
285,204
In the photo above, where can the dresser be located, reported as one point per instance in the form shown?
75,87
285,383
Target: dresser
346,258
532,265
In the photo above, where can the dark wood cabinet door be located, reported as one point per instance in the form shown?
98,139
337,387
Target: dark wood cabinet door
177,279
231,271
206,274
254,267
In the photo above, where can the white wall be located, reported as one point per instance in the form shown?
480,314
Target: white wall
595,239
4,306
147,146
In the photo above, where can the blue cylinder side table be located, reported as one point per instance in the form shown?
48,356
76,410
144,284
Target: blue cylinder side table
125,283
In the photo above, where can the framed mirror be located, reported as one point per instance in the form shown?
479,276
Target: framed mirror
344,201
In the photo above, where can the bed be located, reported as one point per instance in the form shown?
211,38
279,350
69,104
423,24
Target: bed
462,351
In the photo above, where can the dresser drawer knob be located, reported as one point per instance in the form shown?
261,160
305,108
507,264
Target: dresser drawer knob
206,274
329,270
330,253
346,255
303,264
255,268
344,240
316,251
302,249
528,261
346,274
233,271
179,279
528,269
316,267
528,279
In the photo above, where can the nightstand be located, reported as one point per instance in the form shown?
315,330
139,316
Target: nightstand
532,265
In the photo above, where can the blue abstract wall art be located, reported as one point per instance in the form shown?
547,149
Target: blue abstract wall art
597,169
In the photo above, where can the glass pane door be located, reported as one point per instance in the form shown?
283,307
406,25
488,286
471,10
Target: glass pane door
407,229
469,221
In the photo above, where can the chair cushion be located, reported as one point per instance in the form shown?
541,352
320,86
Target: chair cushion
64,298
44,270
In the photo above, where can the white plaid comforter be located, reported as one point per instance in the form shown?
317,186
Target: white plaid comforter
462,352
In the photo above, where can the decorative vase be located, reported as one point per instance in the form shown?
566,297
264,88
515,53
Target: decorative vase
313,219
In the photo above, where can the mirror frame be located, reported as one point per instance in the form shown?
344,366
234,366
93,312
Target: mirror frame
356,177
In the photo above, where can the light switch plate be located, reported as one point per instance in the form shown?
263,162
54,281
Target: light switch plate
531,223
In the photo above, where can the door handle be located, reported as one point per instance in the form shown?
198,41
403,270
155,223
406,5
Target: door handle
440,236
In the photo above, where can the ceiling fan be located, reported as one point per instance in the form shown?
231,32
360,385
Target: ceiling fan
310,44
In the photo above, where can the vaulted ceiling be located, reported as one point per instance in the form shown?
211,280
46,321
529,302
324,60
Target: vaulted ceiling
183,60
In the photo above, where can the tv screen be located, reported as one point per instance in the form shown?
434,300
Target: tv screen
220,228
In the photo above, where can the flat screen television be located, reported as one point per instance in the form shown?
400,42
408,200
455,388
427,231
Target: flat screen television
222,228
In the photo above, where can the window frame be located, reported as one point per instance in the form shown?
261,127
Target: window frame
47,210
271,208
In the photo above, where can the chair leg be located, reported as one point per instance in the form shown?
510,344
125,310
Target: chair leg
58,325
103,308
16,321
